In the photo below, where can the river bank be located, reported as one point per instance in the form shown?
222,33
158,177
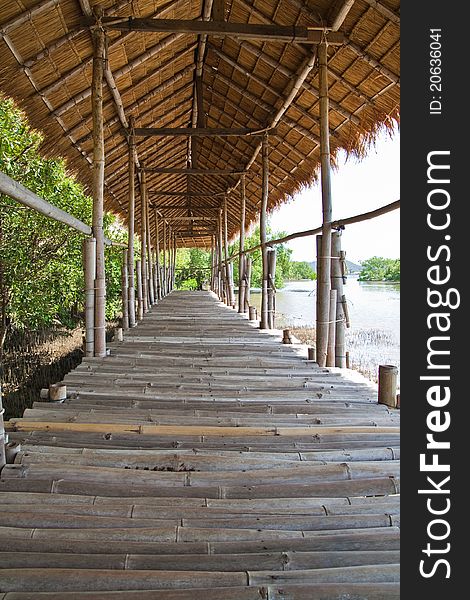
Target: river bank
374,307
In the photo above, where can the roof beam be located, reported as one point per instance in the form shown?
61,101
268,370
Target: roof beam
185,194
199,131
305,84
115,43
384,11
182,207
176,171
191,218
269,33
339,13
27,14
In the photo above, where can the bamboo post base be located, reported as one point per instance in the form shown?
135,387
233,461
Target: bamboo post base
286,337
57,392
388,385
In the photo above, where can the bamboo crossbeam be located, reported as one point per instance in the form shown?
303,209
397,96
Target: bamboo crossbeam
25,196
339,224
339,13
273,33
383,10
199,131
27,15
185,194
184,171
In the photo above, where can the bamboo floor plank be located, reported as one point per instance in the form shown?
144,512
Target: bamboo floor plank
203,459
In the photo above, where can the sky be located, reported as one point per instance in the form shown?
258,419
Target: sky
357,187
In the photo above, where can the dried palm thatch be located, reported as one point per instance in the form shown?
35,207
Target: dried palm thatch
46,63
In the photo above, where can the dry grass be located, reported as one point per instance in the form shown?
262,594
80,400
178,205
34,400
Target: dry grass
368,348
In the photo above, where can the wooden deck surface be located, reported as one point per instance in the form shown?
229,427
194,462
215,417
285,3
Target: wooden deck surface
202,460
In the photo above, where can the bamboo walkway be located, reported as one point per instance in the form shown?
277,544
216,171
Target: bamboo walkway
202,460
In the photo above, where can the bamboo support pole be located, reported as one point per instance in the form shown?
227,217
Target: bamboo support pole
241,255
3,459
157,255
344,303
330,357
173,263
98,188
143,243
217,265
318,240
271,287
168,275
164,279
222,290
140,300
211,281
228,282
130,228
125,291
248,263
89,268
388,385
151,287
323,282
155,276
264,324
337,284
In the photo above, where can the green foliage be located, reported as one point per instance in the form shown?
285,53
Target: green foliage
301,270
41,276
192,268
380,269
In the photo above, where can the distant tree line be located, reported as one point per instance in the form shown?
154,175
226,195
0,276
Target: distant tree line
380,269
193,265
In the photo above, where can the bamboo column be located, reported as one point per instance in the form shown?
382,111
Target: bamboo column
222,290
264,324
157,256
143,242
216,267
323,282
124,291
98,187
228,283
211,283
173,272
337,284
271,287
168,267
318,240
247,283
330,356
241,255
140,300
145,198
89,268
130,228
165,289
3,460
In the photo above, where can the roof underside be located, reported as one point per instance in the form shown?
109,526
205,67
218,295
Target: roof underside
46,65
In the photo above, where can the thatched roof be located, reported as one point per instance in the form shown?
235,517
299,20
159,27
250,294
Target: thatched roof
46,65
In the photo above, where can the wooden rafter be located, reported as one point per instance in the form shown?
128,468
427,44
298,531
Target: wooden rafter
272,33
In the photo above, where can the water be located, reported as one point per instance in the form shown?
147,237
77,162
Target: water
374,308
